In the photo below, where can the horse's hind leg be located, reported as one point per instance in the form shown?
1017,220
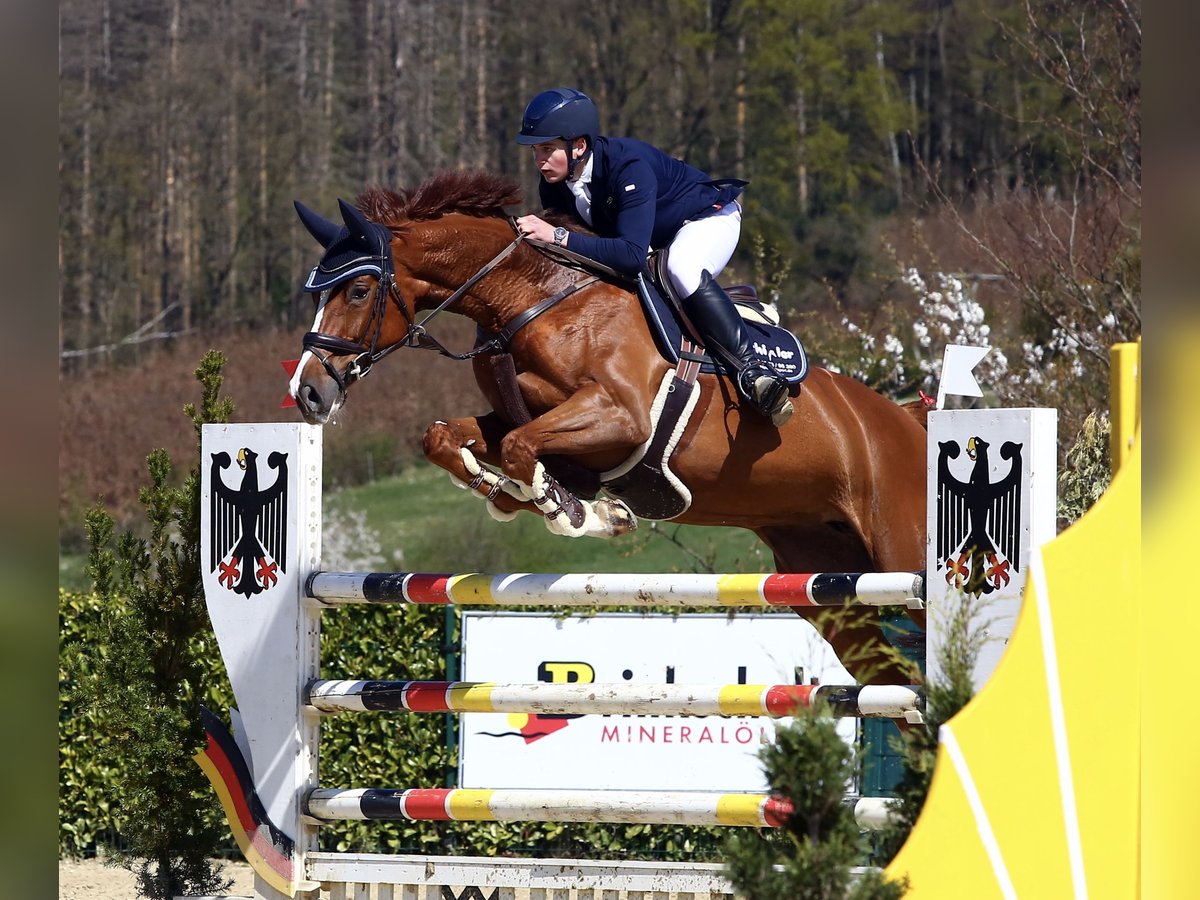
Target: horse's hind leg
466,448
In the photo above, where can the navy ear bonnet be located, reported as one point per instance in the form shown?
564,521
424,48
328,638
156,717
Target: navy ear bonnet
360,246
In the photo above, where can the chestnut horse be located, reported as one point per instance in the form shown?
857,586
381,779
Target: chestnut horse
840,487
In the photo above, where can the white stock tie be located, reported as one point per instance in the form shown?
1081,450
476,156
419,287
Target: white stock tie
582,189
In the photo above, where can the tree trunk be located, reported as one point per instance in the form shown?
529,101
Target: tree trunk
230,162
945,109
84,282
460,130
424,54
169,247
926,139
1018,164
324,166
263,303
481,157
892,148
374,137
714,144
739,150
186,235
802,193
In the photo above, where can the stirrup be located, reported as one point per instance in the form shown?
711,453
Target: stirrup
767,393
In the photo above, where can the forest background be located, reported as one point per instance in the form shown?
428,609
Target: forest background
922,171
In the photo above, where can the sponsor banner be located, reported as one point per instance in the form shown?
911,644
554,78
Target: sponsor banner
635,752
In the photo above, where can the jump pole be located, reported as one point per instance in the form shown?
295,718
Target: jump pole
775,701
696,808
261,542
703,590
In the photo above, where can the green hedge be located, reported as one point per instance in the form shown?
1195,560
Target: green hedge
380,750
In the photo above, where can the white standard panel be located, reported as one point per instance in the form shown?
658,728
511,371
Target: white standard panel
992,498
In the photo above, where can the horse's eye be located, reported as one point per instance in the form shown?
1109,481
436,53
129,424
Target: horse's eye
359,292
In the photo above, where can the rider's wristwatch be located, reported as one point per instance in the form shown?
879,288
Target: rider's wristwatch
560,235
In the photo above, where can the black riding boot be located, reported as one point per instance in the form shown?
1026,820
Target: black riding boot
723,332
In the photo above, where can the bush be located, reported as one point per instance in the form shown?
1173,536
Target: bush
810,857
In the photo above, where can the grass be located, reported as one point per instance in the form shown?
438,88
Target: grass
423,523
418,521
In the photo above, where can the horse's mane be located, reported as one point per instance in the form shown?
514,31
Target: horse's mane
473,193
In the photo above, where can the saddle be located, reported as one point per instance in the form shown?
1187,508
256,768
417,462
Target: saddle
774,345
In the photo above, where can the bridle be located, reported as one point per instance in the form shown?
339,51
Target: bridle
367,354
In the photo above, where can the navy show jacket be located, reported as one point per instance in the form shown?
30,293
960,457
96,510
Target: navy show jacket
640,198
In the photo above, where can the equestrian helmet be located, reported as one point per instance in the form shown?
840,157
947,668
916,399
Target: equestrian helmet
559,113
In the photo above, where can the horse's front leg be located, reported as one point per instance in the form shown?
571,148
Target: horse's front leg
466,448
590,424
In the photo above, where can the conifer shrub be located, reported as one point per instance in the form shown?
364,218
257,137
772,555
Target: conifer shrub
812,856
140,681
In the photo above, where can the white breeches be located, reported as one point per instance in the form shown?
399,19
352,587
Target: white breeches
701,244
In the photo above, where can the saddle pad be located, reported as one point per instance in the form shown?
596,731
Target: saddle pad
773,345
645,480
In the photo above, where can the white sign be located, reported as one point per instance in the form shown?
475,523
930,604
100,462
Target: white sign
260,521
636,752
992,497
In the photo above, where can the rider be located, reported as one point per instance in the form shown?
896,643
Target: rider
633,196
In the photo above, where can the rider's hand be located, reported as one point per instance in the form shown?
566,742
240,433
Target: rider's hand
538,229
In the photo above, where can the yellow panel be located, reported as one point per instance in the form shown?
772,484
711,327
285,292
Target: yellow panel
1007,732
1124,399
945,856
1094,576
1006,737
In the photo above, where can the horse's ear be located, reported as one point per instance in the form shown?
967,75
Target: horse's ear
357,222
320,228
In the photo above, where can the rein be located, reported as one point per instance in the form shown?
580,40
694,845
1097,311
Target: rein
367,355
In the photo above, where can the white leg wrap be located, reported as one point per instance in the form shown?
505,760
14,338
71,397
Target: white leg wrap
488,479
603,518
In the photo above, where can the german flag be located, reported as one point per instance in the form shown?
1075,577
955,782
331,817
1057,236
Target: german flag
270,852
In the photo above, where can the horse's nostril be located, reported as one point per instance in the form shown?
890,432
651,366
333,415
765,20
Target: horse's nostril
308,397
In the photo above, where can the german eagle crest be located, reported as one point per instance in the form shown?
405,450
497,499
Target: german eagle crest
978,520
249,524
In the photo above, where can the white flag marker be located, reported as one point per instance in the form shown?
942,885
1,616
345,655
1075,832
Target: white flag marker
958,364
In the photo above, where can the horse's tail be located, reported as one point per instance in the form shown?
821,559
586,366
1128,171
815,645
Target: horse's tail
919,409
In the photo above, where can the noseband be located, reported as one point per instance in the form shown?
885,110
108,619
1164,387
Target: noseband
367,354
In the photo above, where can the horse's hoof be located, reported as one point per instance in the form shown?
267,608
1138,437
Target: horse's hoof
617,518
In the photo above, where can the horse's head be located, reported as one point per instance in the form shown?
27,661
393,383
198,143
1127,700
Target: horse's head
367,297
354,286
